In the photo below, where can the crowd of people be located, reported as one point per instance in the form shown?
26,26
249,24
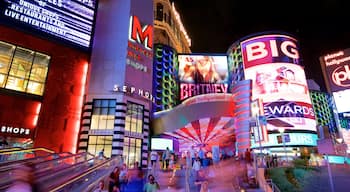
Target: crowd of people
123,179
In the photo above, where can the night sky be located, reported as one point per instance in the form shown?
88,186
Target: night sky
321,26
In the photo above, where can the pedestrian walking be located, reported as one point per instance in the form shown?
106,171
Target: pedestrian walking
152,185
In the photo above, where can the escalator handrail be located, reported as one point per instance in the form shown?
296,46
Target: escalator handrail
21,161
64,158
10,149
28,150
39,172
72,180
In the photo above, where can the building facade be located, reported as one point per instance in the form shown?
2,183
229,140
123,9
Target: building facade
43,70
272,62
168,28
116,111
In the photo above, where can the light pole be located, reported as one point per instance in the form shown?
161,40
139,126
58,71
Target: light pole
281,130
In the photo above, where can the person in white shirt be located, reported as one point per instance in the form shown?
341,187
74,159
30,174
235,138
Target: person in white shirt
192,153
154,157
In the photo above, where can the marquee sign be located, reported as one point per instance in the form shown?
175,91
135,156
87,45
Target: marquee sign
71,20
337,67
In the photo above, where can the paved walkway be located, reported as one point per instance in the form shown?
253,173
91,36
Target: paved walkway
224,177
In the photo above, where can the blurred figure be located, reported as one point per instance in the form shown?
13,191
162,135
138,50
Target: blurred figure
123,177
154,157
201,155
101,154
192,153
151,185
3,143
113,180
135,180
100,187
23,180
248,156
167,158
201,182
196,167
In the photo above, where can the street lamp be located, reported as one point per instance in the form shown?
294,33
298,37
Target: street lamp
281,130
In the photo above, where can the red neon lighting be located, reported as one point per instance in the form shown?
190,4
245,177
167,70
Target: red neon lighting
143,35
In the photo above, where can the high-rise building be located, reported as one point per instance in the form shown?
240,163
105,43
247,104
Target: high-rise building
116,113
168,27
170,38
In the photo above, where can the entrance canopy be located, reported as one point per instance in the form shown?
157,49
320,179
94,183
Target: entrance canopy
210,119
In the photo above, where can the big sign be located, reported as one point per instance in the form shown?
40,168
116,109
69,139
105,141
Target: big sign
272,62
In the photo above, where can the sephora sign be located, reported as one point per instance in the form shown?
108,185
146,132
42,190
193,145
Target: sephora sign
272,62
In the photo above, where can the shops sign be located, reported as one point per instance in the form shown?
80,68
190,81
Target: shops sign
14,130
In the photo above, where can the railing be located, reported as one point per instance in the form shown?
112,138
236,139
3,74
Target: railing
88,180
43,166
20,154
273,185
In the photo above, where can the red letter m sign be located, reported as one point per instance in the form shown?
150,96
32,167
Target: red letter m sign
141,35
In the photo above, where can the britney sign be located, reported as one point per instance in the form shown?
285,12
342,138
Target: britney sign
70,20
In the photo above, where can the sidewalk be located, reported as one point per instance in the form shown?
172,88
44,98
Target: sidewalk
222,178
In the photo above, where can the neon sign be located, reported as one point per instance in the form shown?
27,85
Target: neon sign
142,35
71,20
15,130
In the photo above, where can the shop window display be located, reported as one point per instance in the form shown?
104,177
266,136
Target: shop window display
22,69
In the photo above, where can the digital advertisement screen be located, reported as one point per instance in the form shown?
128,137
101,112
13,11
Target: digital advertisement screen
337,68
203,69
341,99
161,144
71,20
202,74
272,63
291,139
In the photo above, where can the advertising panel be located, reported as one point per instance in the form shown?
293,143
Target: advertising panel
139,58
337,70
202,74
71,20
341,99
272,63
291,139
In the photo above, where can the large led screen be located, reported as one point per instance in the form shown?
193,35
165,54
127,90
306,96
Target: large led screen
291,139
337,68
71,20
341,99
161,144
202,74
272,63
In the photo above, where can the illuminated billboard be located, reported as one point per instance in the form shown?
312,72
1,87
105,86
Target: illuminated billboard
336,68
71,20
341,99
272,63
202,74
291,139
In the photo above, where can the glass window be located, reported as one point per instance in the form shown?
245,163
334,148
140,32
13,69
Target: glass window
134,117
97,143
22,69
159,12
131,151
103,114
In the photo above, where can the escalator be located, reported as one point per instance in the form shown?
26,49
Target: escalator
87,181
63,173
40,166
